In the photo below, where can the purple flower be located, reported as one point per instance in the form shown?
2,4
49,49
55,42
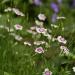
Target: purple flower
54,17
59,1
37,2
55,7
73,2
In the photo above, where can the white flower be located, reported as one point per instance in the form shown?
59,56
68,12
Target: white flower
41,30
54,39
2,26
12,34
16,52
61,40
1,35
42,17
47,35
39,23
47,72
18,38
27,43
3,1
53,25
33,28
17,12
62,17
8,9
64,49
73,69
39,42
63,28
18,27
39,50
9,29
0,15
32,32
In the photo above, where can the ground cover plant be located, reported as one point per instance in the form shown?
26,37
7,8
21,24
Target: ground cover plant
37,37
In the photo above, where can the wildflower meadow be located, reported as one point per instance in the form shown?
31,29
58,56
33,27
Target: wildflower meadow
37,37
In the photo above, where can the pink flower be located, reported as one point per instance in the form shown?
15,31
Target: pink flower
47,72
61,40
41,30
42,17
18,27
39,50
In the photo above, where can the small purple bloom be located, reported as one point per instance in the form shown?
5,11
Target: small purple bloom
59,1
37,2
54,17
74,3
55,7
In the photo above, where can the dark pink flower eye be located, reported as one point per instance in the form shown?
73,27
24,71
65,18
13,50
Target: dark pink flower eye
18,26
47,73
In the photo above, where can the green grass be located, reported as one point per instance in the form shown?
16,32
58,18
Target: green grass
18,59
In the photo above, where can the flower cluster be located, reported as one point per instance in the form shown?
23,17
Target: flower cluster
42,38
64,50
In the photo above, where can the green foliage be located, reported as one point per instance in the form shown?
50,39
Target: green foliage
19,59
